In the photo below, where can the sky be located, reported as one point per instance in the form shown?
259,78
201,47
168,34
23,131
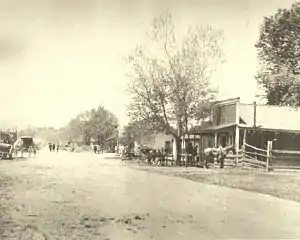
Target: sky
61,57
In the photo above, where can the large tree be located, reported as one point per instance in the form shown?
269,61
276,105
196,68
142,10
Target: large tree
170,80
138,131
279,54
103,124
98,124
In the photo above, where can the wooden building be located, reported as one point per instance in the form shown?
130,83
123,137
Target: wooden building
231,123
221,128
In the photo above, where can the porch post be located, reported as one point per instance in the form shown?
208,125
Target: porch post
269,149
244,137
244,143
202,150
175,150
194,156
237,143
237,132
186,153
216,139
182,149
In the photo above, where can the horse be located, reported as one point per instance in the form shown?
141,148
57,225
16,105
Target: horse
16,148
219,153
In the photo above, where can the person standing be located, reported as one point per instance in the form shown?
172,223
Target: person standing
57,147
50,147
53,147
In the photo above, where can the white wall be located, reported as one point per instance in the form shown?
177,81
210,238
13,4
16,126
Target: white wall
160,139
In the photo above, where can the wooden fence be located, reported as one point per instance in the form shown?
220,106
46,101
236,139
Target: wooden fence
253,157
249,156
270,159
256,157
285,159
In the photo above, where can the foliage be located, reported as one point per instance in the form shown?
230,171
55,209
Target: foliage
136,131
279,54
282,88
97,124
49,134
170,83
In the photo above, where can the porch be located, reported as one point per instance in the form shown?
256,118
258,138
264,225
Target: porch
195,142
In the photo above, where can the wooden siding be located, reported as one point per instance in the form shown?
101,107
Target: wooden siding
224,114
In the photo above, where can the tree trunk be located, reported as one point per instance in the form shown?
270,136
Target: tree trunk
177,151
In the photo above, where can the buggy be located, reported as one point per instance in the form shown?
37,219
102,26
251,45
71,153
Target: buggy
28,144
6,144
24,144
5,151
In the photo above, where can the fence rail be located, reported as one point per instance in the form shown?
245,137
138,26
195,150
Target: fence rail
270,159
255,148
255,153
257,158
286,152
285,159
284,167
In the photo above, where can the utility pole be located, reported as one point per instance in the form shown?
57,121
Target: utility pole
255,110
254,116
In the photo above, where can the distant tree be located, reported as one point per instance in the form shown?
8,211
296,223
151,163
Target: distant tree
170,80
103,124
279,54
137,131
78,129
49,134
98,124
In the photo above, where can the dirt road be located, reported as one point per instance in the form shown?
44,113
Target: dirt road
84,196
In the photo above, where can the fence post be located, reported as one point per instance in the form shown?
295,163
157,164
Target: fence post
269,146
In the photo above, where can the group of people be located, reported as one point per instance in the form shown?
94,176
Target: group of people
53,147
97,149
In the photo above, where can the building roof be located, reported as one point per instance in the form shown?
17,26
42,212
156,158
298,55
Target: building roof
227,101
207,129
277,118
268,117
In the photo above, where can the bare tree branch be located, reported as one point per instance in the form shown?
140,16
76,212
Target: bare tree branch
170,83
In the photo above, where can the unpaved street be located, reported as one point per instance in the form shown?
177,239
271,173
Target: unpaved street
84,196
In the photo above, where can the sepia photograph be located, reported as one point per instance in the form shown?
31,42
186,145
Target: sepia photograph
149,119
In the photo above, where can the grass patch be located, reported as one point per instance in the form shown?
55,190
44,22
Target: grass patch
284,185
5,182
5,196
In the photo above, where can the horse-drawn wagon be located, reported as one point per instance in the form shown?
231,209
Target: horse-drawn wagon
24,144
6,144
5,150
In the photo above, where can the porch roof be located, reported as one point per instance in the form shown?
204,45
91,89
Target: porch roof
260,128
210,129
271,118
